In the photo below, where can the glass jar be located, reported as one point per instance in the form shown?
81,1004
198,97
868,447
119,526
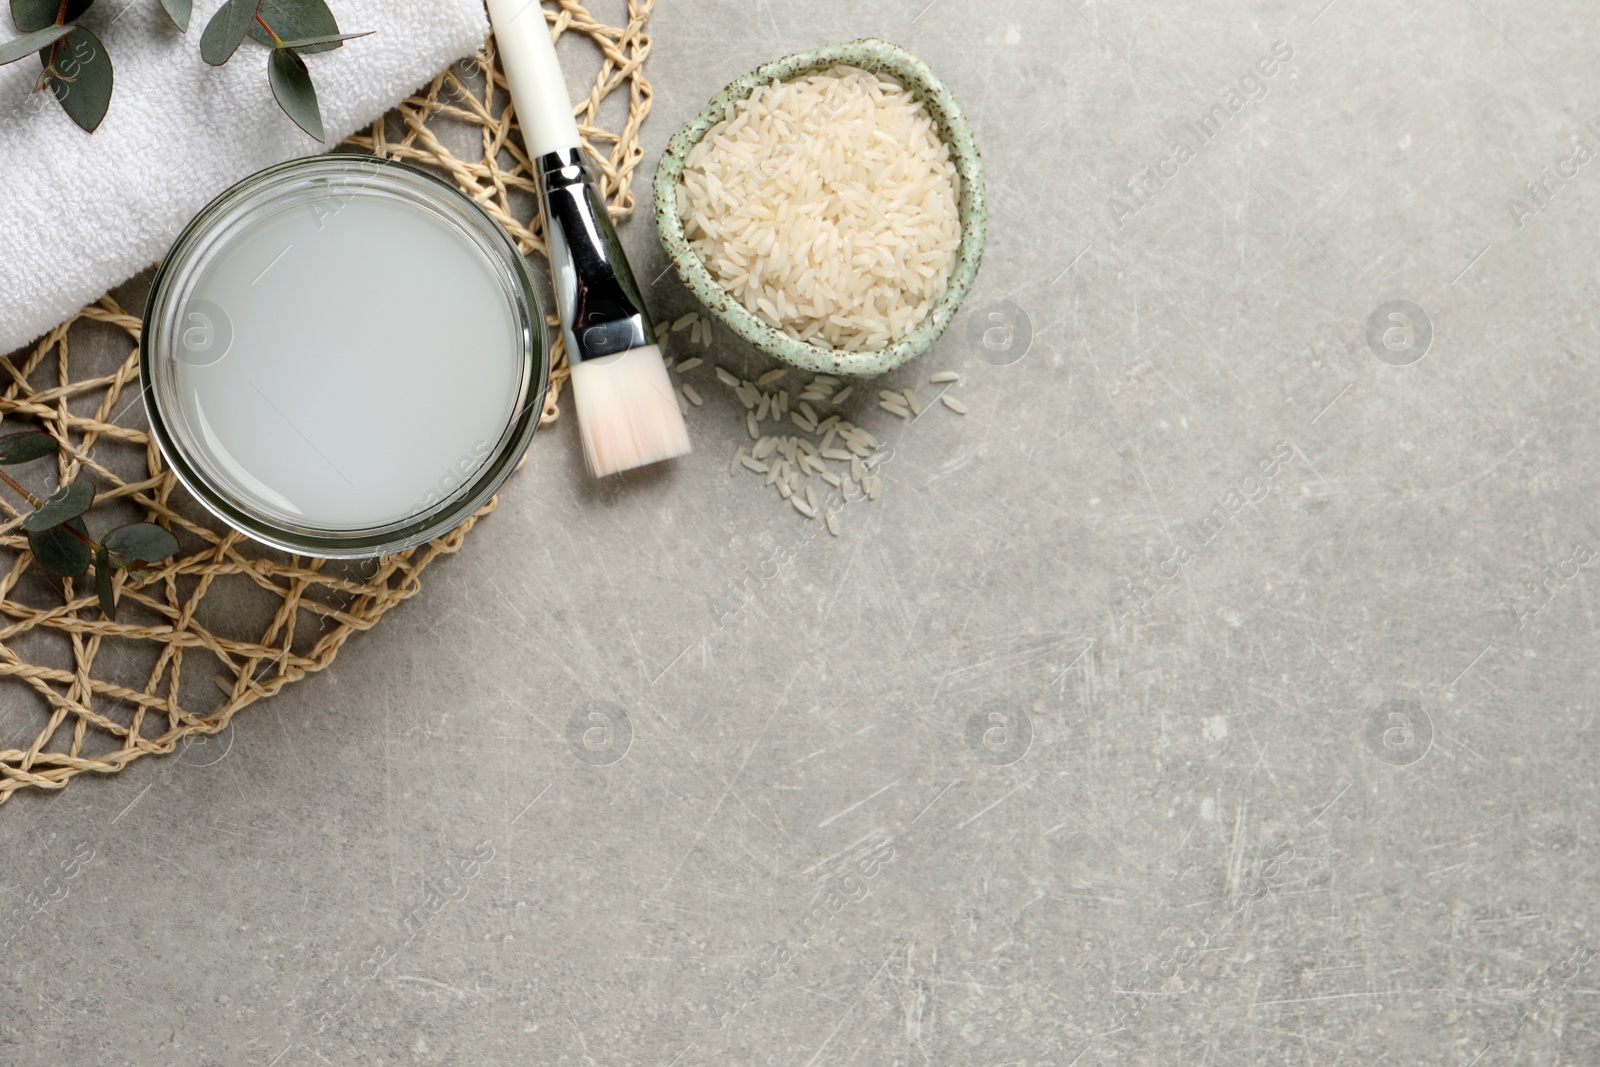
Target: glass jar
343,356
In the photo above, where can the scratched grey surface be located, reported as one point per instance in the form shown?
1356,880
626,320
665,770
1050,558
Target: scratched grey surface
1026,768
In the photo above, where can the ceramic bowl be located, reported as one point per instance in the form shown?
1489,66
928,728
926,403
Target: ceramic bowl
879,57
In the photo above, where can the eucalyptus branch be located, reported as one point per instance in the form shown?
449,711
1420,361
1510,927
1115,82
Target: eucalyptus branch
60,541
76,67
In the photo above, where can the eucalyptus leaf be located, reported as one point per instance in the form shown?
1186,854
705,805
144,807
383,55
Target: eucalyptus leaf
102,584
306,44
296,20
179,11
59,552
84,59
30,15
292,87
63,505
12,51
225,31
141,542
22,447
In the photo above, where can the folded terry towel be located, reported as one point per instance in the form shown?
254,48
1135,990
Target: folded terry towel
80,212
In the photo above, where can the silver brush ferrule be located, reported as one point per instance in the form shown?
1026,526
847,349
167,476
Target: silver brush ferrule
600,307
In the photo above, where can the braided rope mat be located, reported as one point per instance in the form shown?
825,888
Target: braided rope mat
87,694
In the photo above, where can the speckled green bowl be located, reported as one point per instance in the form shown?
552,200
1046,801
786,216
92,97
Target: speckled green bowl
880,57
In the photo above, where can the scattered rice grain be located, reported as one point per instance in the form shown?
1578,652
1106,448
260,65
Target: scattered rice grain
727,379
688,365
771,376
692,393
944,376
953,404
808,510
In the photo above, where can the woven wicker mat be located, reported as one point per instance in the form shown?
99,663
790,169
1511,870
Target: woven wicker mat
79,693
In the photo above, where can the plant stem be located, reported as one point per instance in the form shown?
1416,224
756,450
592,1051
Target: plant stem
35,501
275,38
61,12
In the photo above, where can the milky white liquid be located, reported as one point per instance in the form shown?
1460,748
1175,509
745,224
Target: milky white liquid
371,361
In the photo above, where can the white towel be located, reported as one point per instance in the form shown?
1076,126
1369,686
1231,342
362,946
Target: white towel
80,213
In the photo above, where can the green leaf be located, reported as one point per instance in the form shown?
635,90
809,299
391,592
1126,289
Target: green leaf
140,542
102,584
296,20
59,552
179,12
12,51
291,84
226,30
305,44
30,15
84,59
63,505
22,447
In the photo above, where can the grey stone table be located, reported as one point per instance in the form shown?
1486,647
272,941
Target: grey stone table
1220,690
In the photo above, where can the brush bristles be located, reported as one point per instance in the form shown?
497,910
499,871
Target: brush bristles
627,413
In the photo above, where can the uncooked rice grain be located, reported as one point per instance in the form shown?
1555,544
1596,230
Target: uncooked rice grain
944,376
771,376
682,322
841,232
954,405
688,364
692,393
843,394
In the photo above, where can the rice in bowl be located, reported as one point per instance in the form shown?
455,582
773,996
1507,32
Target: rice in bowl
828,206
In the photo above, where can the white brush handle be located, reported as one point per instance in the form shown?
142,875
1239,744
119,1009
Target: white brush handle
544,110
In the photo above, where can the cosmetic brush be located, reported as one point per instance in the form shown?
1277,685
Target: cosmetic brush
627,412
